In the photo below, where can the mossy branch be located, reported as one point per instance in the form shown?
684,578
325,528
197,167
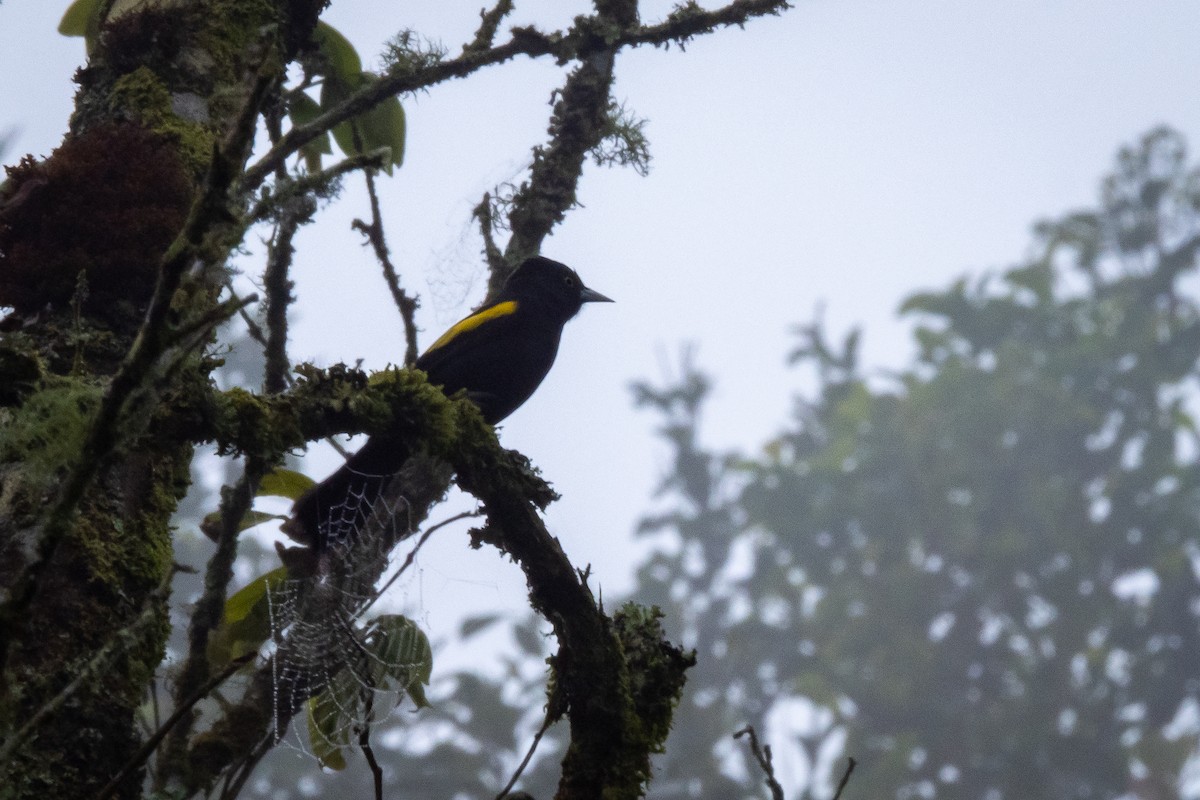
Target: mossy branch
689,20
577,126
601,663
319,403
610,30
489,23
524,41
585,116
278,288
406,303
618,679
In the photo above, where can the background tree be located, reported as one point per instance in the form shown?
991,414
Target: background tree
977,575
982,571
113,266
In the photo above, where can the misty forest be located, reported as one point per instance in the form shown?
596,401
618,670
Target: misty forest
976,576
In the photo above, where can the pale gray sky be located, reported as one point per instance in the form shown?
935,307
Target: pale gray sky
845,154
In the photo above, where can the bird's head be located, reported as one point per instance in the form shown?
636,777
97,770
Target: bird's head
555,286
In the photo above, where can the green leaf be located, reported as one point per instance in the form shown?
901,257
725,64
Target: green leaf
344,135
395,656
82,18
303,109
211,524
246,621
334,90
326,732
340,56
239,606
285,483
402,659
384,125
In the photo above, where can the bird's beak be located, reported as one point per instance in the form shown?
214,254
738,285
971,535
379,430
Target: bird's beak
592,296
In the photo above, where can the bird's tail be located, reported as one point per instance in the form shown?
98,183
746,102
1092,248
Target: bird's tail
338,508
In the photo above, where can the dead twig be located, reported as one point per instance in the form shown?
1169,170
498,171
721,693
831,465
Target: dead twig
845,777
405,303
762,754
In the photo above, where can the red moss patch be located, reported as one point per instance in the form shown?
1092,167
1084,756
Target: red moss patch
106,204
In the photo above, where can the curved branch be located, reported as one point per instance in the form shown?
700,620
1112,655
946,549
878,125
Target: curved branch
525,41
582,113
689,20
614,727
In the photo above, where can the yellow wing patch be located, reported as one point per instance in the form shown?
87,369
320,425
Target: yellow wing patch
474,321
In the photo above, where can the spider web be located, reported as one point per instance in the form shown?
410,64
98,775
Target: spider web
326,654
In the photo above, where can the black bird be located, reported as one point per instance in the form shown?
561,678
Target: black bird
499,355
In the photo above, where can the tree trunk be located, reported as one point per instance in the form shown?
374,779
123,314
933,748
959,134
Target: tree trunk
83,236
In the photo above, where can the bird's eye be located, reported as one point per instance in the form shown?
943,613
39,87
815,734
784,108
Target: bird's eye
571,281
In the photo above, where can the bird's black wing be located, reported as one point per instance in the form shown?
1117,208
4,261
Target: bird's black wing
499,355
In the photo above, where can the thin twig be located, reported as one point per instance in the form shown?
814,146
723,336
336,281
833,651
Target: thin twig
845,777
763,756
525,41
203,324
318,183
488,25
405,303
364,733
412,556
252,326
680,27
278,287
364,744
487,226
247,766
547,721
207,614
148,747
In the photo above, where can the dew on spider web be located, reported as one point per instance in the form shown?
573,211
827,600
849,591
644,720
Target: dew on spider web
324,648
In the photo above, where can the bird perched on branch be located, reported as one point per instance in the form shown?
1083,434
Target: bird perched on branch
498,355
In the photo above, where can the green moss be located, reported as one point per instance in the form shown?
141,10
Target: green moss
248,419
116,554
653,681
129,548
234,39
397,402
656,669
47,433
142,94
